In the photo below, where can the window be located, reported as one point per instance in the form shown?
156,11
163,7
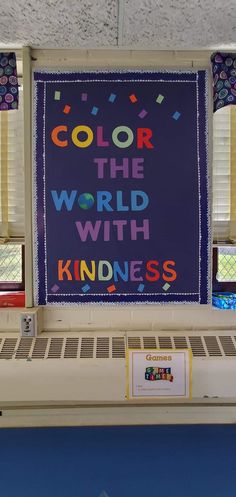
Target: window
11,266
224,199
12,198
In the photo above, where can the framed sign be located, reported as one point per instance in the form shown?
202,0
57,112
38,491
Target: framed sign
121,187
159,373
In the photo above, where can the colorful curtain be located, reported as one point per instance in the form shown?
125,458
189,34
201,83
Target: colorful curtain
8,81
224,79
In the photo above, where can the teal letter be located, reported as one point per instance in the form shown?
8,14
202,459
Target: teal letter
137,206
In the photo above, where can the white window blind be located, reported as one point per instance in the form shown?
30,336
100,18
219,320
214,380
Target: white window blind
12,172
224,194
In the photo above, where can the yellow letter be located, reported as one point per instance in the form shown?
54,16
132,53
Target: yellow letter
85,270
82,129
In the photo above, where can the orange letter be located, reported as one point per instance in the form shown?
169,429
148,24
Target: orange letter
166,268
149,267
64,269
54,135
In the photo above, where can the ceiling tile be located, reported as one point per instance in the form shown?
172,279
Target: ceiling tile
179,24
59,23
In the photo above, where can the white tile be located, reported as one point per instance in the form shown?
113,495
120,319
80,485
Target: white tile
112,317
66,319
187,24
59,24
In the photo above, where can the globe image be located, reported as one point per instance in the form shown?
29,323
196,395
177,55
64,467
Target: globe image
86,200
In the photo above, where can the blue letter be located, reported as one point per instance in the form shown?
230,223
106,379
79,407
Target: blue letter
63,197
103,199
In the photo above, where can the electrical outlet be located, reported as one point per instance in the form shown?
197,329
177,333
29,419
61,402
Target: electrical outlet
28,324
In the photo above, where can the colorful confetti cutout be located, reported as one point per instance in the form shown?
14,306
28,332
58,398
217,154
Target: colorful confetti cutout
142,114
57,95
55,288
176,115
133,98
166,287
84,97
67,109
94,111
112,98
141,287
160,99
111,288
85,288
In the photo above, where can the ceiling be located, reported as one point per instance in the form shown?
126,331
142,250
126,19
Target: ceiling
134,24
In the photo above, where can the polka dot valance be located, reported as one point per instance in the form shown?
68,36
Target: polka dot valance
224,79
8,81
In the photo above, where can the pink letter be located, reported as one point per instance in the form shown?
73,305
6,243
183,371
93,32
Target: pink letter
137,169
119,228
141,229
124,168
100,163
100,141
134,268
88,229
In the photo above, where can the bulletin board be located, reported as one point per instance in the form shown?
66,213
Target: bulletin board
121,187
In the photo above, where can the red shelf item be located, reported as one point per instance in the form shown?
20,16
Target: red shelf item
12,299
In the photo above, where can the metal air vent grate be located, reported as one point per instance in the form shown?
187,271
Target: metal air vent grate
112,347
102,350
8,348
55,348
71,348
228,346
149,342
212,346
180,343
118,347
197,347
165,343
24,347
39,349
134,343
87,345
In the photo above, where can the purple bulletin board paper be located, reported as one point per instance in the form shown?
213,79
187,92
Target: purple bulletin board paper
121,187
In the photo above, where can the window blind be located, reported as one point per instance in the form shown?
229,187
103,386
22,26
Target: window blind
224,174
233,173
12,172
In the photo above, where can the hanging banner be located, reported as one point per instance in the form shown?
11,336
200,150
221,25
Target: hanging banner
159,373
120,187
9,92
224,79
